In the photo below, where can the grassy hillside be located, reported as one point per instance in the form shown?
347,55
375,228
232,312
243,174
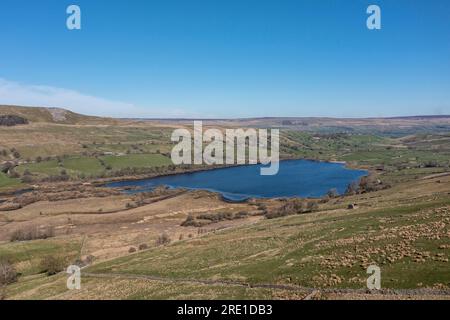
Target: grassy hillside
329,249
404,230
7,182
402,224
50,115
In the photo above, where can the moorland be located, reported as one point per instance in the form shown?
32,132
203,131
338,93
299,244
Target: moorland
185,244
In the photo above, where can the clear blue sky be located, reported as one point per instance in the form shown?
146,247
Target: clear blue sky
228,58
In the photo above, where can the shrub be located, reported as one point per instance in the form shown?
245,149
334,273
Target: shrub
240,215
130,205
13,174
8,274
431,164
163,239
333,193
89,259
143,246
292,206
7,166
52,265
32,233
262,207
352,188
190,222
312,206
2,292
131,250
27,179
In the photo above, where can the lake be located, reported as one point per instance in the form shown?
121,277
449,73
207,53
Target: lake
296,178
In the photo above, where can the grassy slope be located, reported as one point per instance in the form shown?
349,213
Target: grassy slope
403,230
88,166
7,182
136,161
26,256
41,114
312,251
329,248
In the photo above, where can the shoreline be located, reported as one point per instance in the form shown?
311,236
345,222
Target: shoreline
223,194
102,182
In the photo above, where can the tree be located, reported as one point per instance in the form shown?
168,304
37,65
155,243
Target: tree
352,188
333,193
52,265
8,273
163,239
312,206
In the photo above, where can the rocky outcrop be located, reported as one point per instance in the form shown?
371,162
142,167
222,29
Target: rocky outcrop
12,120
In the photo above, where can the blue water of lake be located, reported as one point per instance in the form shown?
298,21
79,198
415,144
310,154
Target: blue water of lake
296,178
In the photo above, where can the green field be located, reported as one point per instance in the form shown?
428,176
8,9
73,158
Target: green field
136,161
83,165
7,182
90,166
43,168
27,255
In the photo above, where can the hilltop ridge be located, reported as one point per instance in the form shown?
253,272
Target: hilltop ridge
50,115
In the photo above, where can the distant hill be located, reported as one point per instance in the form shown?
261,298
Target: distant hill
392,126
51,115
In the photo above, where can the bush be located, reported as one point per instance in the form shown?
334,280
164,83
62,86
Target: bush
352,188
32,233
241,215
292,206
52,265
312,206
262,207
2,292
371,183
13,174
89,259
131,250
163,239
143,246
8,274
27,179
190,222
333,193
5,167
130,205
